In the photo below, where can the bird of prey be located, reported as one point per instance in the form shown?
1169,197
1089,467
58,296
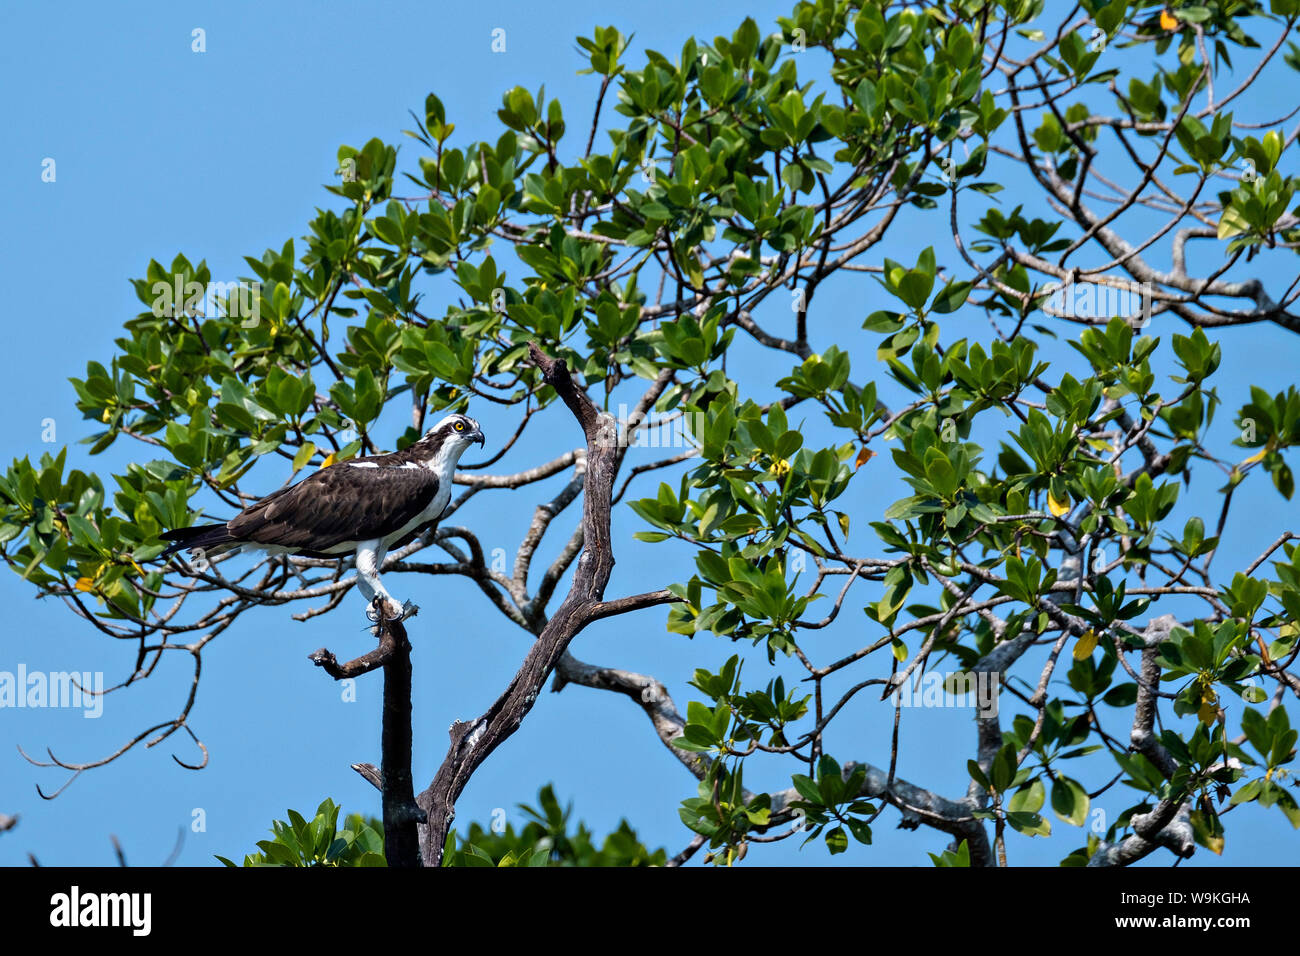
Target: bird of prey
361,507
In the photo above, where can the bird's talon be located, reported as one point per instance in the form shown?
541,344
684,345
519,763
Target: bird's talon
390,610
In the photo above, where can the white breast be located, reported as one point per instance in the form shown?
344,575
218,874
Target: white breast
436,507
444,466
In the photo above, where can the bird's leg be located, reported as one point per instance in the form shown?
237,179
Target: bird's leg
370,555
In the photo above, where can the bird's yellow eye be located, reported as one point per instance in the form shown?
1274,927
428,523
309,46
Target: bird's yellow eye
459,426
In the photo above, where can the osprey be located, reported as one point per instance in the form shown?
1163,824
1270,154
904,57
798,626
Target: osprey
361,507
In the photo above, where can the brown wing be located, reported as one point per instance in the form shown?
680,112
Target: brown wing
336,504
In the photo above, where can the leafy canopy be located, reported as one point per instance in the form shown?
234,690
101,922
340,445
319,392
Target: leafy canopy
735,181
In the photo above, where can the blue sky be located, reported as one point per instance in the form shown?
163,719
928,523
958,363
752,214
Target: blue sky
222,154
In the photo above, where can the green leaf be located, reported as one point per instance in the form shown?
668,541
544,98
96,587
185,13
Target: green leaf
1069,801
837,841
951,297
1028,798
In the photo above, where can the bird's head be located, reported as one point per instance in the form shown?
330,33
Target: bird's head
454,433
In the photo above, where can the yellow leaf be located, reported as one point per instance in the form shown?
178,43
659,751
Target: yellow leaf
1208,712
1231,223
1168,21
304,455
329,460
1084,646
1258,456
1215,844
1056,507
85,584
108,413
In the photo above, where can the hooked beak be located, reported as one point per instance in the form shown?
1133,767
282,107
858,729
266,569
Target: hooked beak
477,435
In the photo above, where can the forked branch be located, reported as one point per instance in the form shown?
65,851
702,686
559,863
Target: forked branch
472,742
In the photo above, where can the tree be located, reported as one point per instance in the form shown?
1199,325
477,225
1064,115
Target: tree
1059,156
544,841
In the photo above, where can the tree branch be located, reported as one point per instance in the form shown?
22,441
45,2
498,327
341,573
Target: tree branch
473,742
401,814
